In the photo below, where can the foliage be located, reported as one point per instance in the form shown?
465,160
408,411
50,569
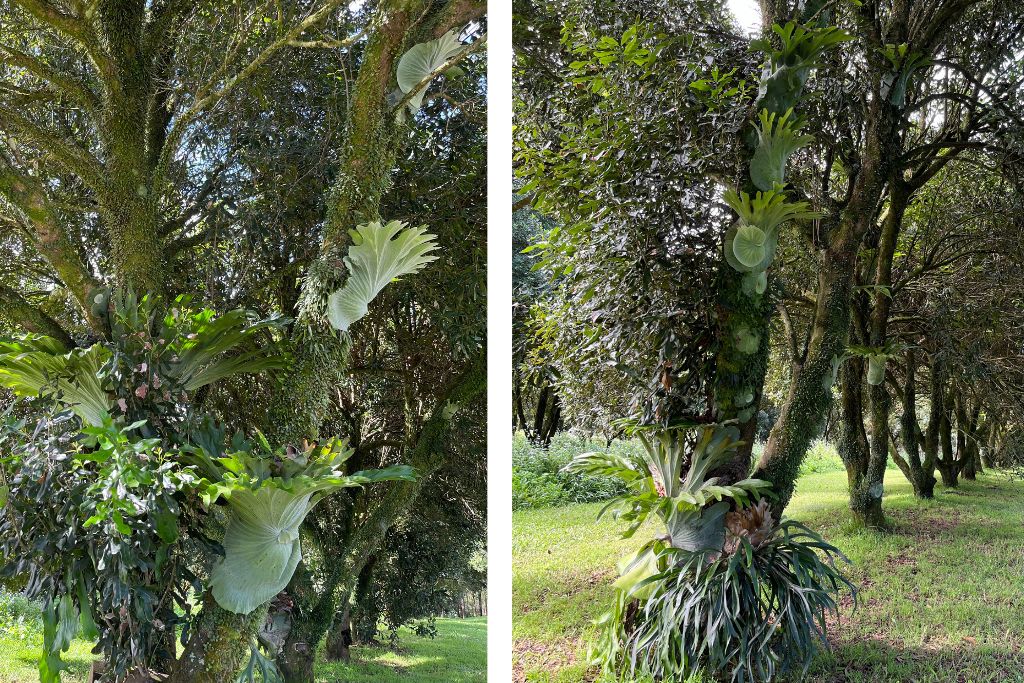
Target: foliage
671,480
428,562
539,479
756,612
629,195
270,492
112,554
731,591
106,557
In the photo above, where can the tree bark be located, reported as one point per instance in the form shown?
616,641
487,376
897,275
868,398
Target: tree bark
921,473
947,465
217,645
810,396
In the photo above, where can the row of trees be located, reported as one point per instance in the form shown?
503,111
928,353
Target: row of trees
843,190
913,172
228,151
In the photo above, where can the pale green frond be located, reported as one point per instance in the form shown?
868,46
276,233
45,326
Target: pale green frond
380,253
420,61
769,209
261,547
39,366
778,137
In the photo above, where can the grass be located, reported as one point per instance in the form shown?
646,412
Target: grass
457,655
941,596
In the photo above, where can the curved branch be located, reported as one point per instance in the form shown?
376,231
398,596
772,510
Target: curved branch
77,90
26,316
50,239
75,159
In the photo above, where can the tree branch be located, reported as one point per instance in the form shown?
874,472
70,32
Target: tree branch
26,316
208,96
50,239
75,159
77,90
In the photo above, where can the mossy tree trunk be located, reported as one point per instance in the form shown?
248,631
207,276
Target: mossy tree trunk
839,234
810,395
920,471
217,645
320,355
855,448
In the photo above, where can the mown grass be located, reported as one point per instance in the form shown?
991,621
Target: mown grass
457,655
941,596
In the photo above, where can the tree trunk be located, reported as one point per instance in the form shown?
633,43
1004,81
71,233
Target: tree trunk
339,639
316,605
946,465
855,449
919,472
217,644
810,395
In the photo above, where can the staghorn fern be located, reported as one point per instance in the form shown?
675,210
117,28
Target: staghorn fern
183,349
422,60
751,242
778,137
380,253
691,507
877,357
786,71
38,366
269,494
768,209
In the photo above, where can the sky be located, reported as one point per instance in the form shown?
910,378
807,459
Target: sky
747,13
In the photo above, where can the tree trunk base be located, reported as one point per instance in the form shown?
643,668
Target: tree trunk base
867,512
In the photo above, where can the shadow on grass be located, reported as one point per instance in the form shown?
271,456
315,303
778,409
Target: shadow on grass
458,654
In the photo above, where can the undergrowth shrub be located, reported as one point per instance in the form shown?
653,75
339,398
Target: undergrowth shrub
821,457
20,618
538,480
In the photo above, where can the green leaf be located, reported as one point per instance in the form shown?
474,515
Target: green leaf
750,245
420,61
261,548
380,253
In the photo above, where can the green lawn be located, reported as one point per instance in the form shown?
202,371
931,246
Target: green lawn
457,655
941,596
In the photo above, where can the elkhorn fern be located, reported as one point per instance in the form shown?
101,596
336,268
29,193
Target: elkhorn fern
269,494
777,140
39,366
422,60
377,258
767,210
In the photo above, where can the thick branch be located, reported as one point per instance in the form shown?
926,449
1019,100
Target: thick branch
72,157
23,314
75,89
